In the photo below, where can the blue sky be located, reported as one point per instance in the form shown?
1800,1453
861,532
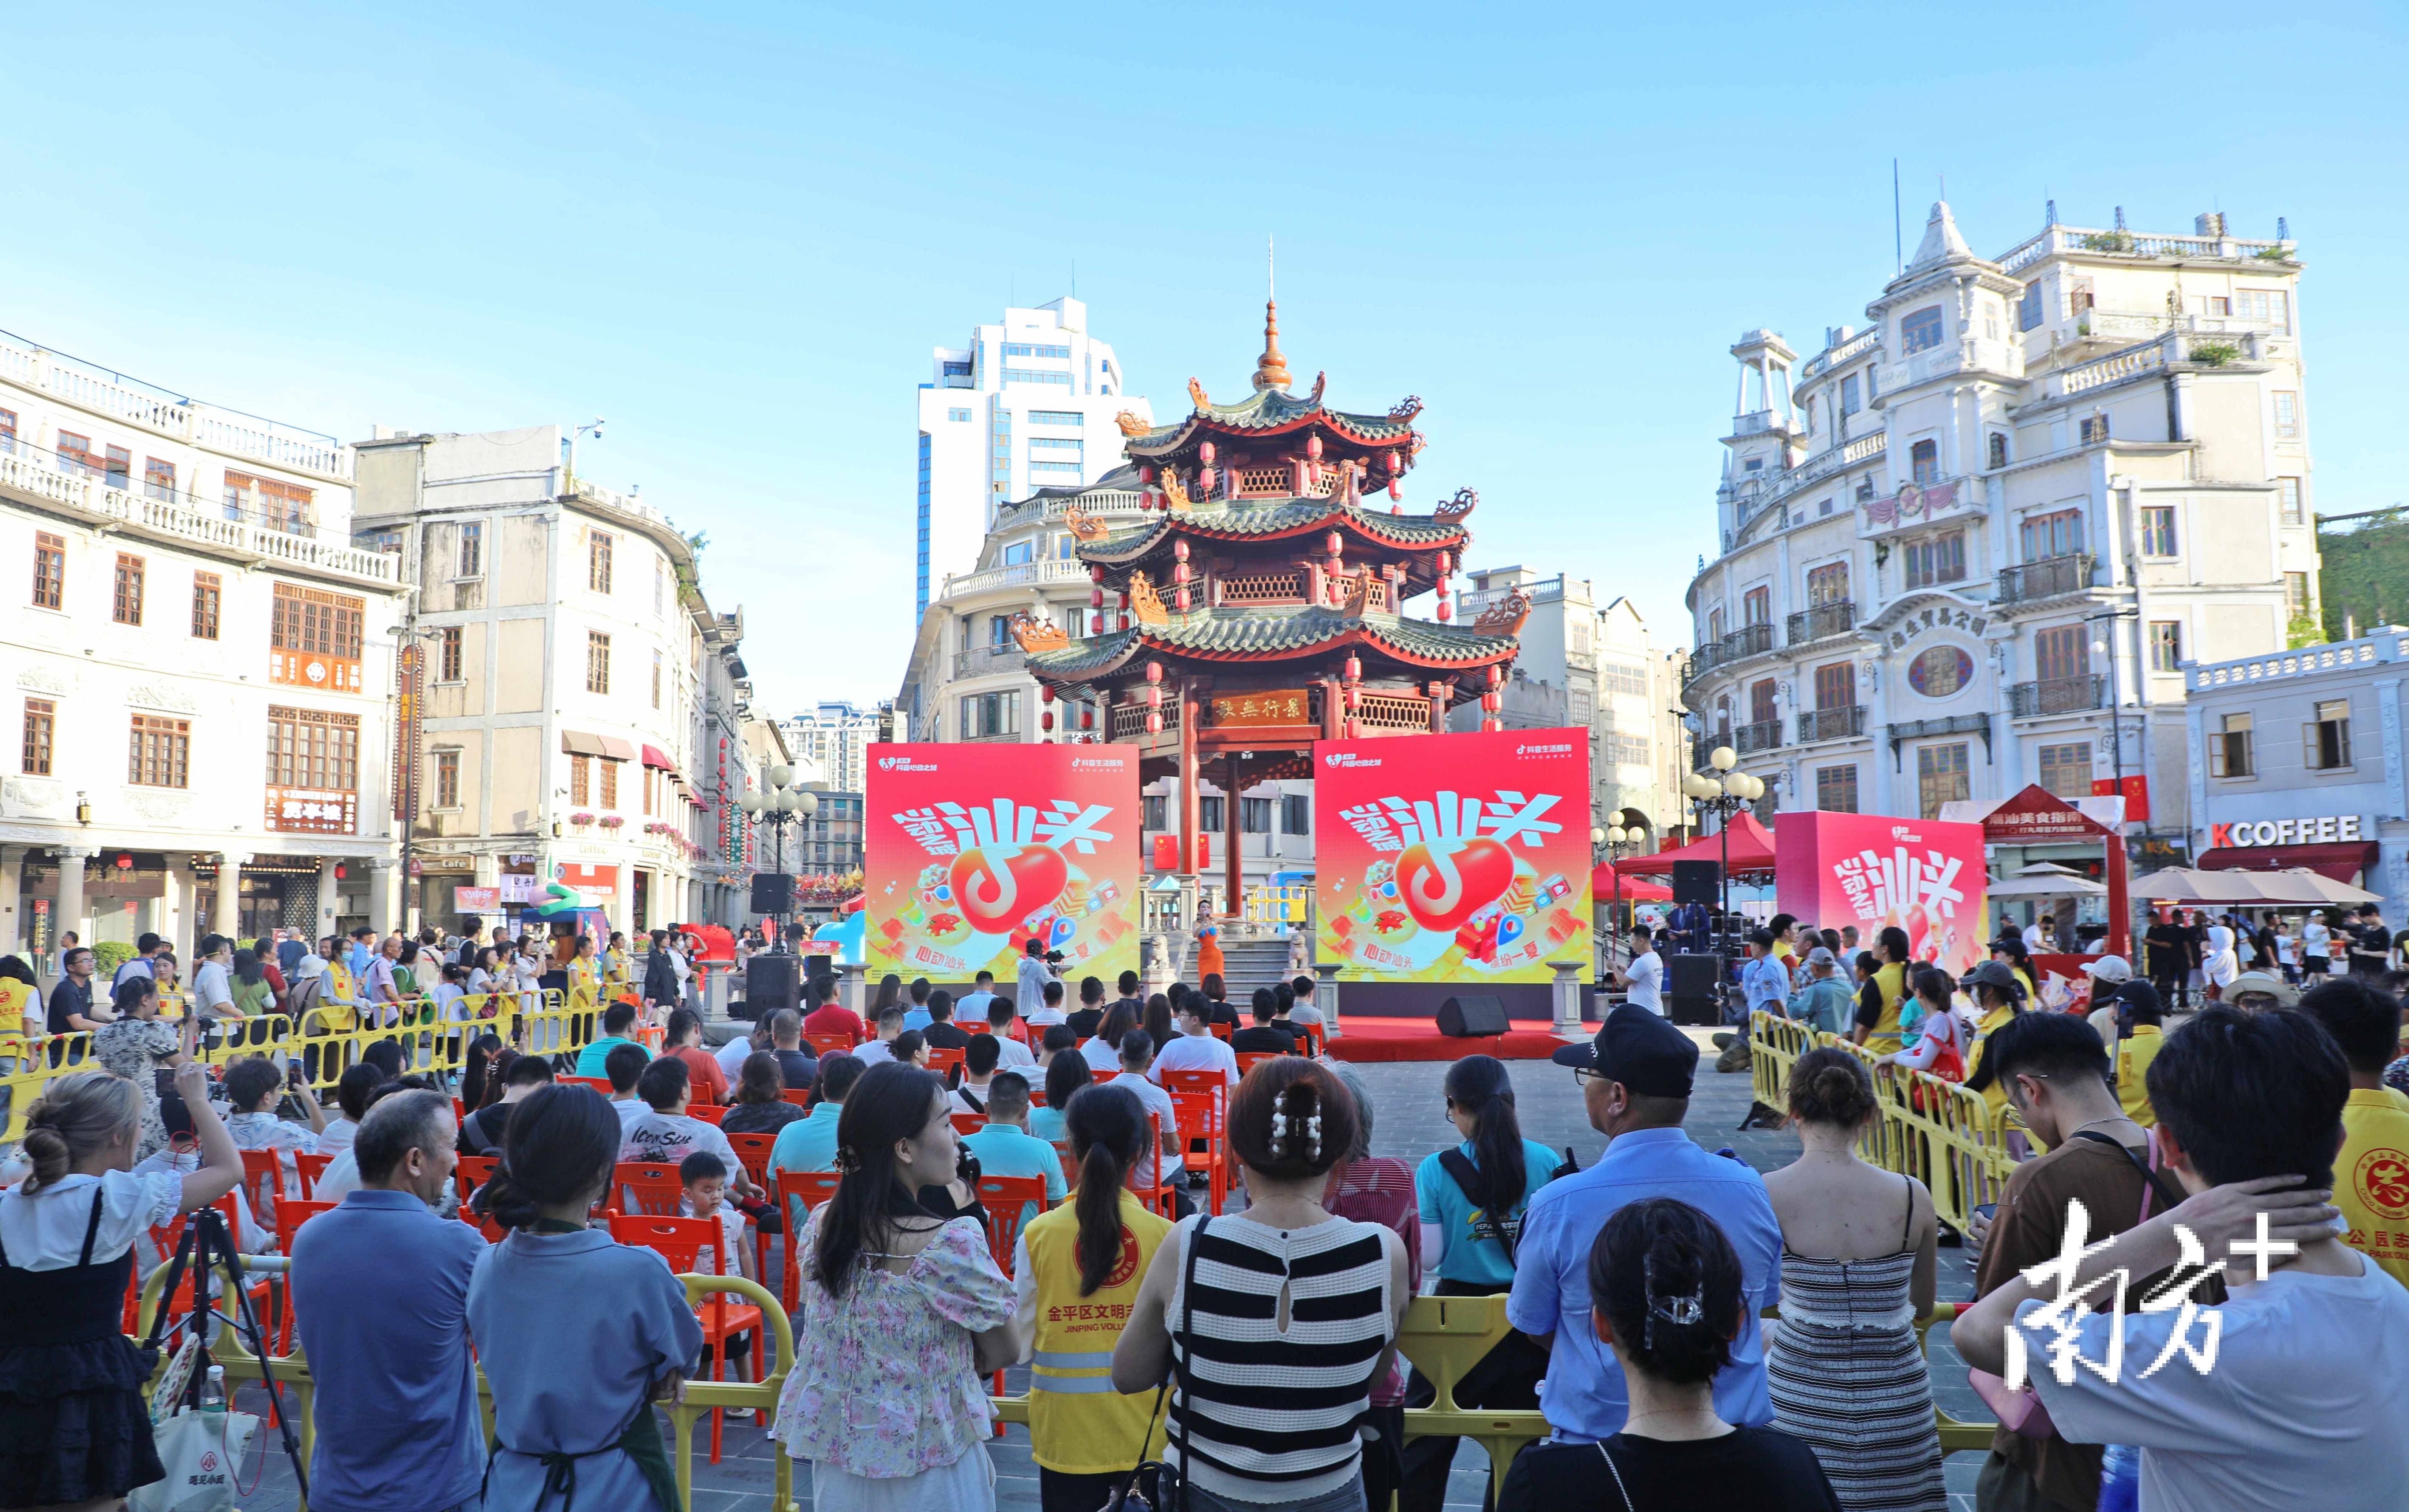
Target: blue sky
737,234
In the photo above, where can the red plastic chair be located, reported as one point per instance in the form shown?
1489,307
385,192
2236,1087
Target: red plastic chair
969,1123
311,1167
263,1186
942,1061
799,1096
681,1240
1222,1032
167,1236
494,1232
710,1113
473,1171
1036,1085
1204,1121
599,1084
799,1192
835,1043
300,1210
1163,1199
1312,1040
1249,1060
647,1190
977,1026
753,1154
1006,1199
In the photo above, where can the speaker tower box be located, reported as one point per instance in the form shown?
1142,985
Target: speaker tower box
772,982
773,892
1470,1014
1696,881
1692,988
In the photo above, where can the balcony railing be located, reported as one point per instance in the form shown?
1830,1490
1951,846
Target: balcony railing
2048,578
1393,711
1765,735
158,410
1016,575
1129,719
1748,640
2058,695
977,661
1094,501
1822,621
1831,724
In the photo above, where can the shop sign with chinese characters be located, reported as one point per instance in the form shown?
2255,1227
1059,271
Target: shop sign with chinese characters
1936,617
1277,706
309,812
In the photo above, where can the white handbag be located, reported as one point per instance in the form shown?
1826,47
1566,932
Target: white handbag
201,1452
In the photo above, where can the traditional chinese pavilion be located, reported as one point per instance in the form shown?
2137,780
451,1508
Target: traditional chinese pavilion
1258,603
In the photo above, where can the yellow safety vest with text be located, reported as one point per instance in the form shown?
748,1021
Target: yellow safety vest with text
1078,1425
1884,1038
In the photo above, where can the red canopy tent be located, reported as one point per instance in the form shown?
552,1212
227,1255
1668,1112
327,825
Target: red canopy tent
1751,850
1604,883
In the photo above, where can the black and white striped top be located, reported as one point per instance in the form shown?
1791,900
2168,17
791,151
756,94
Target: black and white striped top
1270,1416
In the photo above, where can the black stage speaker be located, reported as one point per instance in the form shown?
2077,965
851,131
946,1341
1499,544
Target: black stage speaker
1694,988
1463,1017
773,892
1696,881
772,982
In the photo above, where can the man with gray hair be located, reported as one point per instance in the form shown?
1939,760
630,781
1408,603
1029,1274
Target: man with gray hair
396,1388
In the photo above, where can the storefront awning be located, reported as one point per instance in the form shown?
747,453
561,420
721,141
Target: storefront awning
2342,860
618,749
654,757
577,742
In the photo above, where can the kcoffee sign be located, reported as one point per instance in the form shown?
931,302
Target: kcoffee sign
2322,829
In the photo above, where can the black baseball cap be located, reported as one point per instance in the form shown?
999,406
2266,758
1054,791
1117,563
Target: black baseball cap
1994,973
1639,1050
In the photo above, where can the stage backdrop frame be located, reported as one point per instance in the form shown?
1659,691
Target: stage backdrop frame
1926,877
970,849
1459,859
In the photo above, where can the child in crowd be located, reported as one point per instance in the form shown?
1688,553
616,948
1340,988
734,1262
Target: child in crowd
704,1176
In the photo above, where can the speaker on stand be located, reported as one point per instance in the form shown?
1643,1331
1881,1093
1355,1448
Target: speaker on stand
1697,882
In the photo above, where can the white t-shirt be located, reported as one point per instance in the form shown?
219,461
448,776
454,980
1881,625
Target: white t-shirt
1940,1031
1011,1053
338,1135
1102,1058
1195,1052
870,1052
211,990
2306,1391
2032,939
732,1055
973,1007
1647,977
45,1231
1158,1102
732,1225
665,1138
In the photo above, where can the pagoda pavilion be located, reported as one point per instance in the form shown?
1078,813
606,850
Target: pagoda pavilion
1257,603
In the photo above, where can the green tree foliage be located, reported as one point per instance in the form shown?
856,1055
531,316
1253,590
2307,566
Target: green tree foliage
2364,572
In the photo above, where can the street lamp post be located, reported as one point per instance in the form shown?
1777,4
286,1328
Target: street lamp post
1615,840
782,802
1722,796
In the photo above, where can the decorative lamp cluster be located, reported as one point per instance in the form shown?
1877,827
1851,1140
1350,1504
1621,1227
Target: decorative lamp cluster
1737,784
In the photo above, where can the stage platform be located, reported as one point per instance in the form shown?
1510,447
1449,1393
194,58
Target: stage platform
1370,1039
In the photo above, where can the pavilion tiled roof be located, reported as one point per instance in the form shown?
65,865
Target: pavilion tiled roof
1273,409
1261,633
1239,519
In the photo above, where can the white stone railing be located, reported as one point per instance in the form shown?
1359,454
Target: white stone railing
2113,368
2130,244
1544,590
2390,643
228,431
1847,351
159,518
1018,575
1100,501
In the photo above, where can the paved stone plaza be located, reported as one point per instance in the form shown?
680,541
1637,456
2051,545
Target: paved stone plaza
1411,1124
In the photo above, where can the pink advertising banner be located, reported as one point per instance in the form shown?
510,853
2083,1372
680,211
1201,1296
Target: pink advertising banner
1877,873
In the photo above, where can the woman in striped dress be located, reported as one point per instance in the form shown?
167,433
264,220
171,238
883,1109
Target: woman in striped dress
1290,1314
1844,1366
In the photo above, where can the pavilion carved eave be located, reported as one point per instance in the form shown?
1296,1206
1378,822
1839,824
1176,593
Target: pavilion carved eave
1266,521
1223,638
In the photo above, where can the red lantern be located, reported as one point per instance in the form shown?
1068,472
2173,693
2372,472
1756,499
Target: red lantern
1146,472
1446,610
1154,695
1204,481
1154,672
1496,675
1123,606
1354,669
1046,693
1396,492
1354,699
1335,543
1046,721
1445,563
1086,718
1180,551
1179,572
338,874
1313,445
1204,453
125,863
1095,598
1396,509
1096,572
1494,702
1096,621
1154,723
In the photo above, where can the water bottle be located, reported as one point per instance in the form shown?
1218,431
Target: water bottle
213,1392
2120,1480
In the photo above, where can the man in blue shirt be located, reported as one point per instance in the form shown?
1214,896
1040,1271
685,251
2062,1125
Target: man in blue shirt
1634,1081
397,1398
1690,926
916,1017
617,1020
808,1143
1765,980
1005,1147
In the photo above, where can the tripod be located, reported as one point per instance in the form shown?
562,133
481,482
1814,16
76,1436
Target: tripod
205,1245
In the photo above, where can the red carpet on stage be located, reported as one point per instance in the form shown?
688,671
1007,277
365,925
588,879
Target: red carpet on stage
1369,1038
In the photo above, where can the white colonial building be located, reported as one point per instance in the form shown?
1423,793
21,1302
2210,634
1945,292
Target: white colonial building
1027,404
200,664
1971,546
833,738
583,706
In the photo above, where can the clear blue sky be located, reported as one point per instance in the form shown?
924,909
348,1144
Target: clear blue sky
737,231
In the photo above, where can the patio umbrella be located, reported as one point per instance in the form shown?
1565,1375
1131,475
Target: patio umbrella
2048,885
2300,884
2182,884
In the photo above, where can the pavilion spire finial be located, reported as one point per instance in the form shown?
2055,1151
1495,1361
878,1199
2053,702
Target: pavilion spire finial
1271,369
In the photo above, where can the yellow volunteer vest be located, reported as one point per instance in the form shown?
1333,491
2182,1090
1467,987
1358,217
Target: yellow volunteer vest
2133,1057
335,1011
18,1006
1995,1094
1892,980
584,984
2372,1179
1078,1425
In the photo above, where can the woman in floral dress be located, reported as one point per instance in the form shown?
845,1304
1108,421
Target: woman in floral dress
903,1314
137,1046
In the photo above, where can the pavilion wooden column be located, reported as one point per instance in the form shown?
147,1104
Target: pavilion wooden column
1190,796
1334,707
1232,873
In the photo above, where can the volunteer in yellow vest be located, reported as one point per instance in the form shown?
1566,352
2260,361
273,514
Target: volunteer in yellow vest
1998,997
2371,1173
338,1011
585,977
1076,1271
1880,999
2010,949
21,1003
2138,1005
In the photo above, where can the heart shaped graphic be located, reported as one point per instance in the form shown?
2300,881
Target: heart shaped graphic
997,887
1444,883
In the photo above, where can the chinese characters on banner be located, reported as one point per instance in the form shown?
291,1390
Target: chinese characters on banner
974,850
1453,858
308,811
1920,875
1280,706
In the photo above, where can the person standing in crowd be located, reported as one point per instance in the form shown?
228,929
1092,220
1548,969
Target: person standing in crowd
1635,1078
1263,1037
2317,944
482,1133
1380,1189
903,1315
2133,1021
809,1143
2162,943
290,948
1471,1201
2218,963
2371,944
139,964
137,1045
1065,1076
1824,1004
759,1105
2010,951
1765,980
395,1405
1076,1271
75,1426
1289,1123
1859,1265
2365,1023
2303,1400
1671,1294
1884,998
1691,926
2053,1070
829,1017
578,1336
660,989
941,1032
1642,980
1032,976
1197,1048
683,1040
71,1008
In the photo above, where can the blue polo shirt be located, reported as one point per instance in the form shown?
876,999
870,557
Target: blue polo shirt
397,1398
808,1143
590,1060
1005,1151
1583,1396
1464,1254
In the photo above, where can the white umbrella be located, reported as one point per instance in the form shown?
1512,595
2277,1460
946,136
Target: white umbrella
2048,885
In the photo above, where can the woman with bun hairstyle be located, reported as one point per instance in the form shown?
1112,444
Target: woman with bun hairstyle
74,1428
579,1334
1859,1247
1293,1314
1666,1288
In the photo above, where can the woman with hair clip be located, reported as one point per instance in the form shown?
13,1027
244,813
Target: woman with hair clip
1665,1293
1472,1198
1859,1262
902,1315
1076,1271
1883,997
579,1335
1289,1316
74,1429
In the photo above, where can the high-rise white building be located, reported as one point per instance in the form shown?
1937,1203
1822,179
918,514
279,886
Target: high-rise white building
1028,404
1972,545
833,738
